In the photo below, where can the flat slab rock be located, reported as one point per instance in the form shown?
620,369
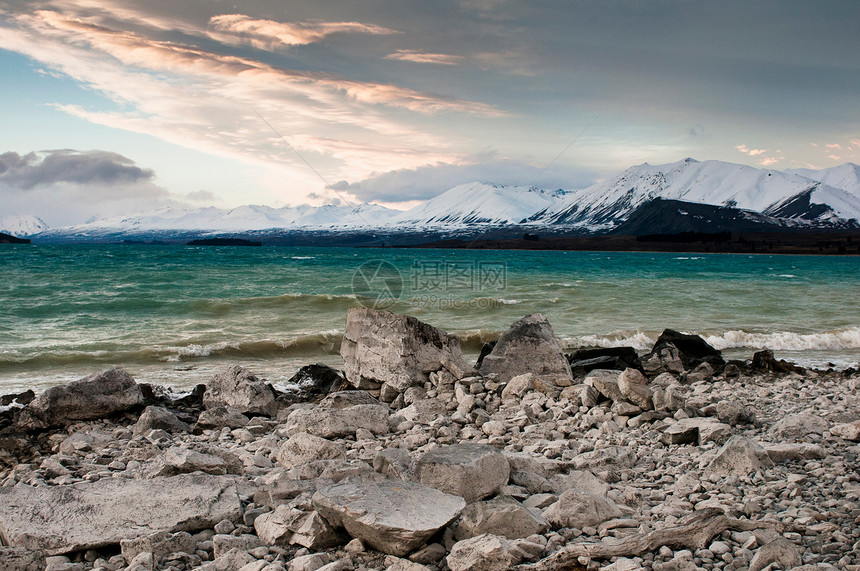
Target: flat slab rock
64,519
395,517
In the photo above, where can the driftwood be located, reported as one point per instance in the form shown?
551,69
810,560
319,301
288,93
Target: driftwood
693,532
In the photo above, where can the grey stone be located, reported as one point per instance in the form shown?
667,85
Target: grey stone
239,388
471,471
734,412
575,509
158,417
739,456
63,519
394,462
303,448
528,346
94,397
799,426
794,452
338,422
221,417
518,386
346,399
380,347
502,516
160,544
605,381
21,559
634,387
582,480
483,553
395,517
847,431
223,543
780,551
176,460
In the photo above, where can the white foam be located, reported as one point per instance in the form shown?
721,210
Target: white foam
787,340
639,341
304,258
509,301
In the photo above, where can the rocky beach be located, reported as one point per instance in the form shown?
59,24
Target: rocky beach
413,459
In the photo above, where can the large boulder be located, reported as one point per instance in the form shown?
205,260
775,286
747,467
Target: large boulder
338,422
158,417
380,347
303,448
503,516
740,456
394,517
317,379
64,519
528,346
288,525
239,388
97,396
483,553
20,559
676,352
583,361
577,509
471,471
799,426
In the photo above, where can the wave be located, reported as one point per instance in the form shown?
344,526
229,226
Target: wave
310,345
845,339
224,306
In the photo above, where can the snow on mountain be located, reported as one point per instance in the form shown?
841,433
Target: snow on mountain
605,205
845,177
479,203
22,225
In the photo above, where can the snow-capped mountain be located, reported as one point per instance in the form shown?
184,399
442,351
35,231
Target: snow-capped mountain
604,206
22,225
479,203
846,177
826,199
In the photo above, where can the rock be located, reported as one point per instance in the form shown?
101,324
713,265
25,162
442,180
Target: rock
680,433
528,346
288,525
160,544
24,398
765,362
310,562
702,372
483,553
20,559
233,560
157,417
616,457
394,517
669,398
239,388
63,519
502,516
697,431
734,412
394,462
794,452
471,471
224,543
177,460
338,422
847,431
634,388
583,361
518,386
317,379
576,509
97,396
582,480
606,383
221,417
380,347
798,426
346,399
691,350
302,448
780,551
739,456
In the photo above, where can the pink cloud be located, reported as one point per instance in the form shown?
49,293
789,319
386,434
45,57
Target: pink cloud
418,56
770,161
751,152
269,34
834,157
833,146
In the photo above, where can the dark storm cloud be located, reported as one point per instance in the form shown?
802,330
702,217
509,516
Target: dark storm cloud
68,166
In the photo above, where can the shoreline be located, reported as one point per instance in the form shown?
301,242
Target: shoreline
759,452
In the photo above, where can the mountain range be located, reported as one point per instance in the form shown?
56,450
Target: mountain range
723,196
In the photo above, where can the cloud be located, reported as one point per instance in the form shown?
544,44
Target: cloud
834,157
418,56
751,152
833,146
855,143
770,161
212,101
68,186
68,166
426,182
269,34
201,196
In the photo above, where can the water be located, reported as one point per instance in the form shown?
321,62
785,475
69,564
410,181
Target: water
173,315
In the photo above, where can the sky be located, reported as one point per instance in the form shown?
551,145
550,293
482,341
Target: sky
111,107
